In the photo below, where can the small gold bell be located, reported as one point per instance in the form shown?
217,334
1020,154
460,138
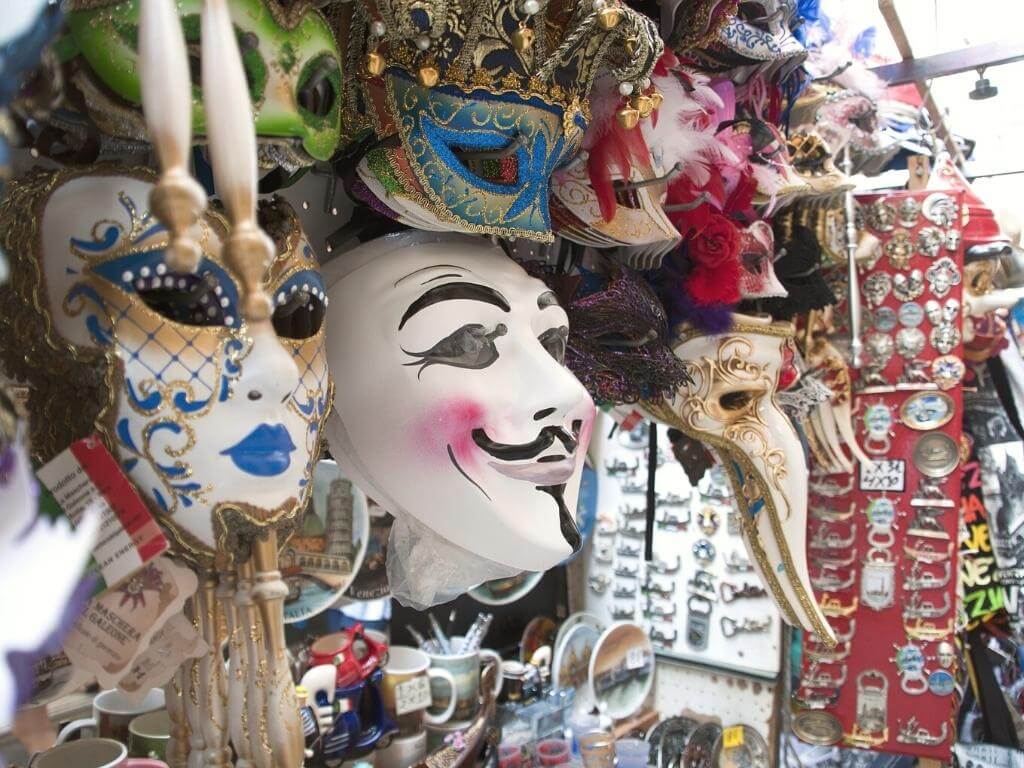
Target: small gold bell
644,105
373,64
427,75
628,117
629,44
658,99
523,38
609,17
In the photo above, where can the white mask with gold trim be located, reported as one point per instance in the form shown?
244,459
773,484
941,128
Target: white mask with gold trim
215,424
731,406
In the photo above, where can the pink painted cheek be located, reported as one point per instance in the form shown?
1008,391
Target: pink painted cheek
450,424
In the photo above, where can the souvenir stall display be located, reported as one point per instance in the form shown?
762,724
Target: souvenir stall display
504,383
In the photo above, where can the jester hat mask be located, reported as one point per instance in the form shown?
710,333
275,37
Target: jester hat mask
732,406
291,62
475,103
216,424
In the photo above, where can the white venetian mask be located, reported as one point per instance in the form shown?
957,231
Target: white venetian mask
731,405
217,425
453,405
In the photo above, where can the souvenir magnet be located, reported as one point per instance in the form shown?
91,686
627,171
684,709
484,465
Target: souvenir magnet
878,423
927,411
883,319
940,210
907,287
747,625
878,580
936,454
918,579
930,241
945,338
899,250
947,371
910,314
879,347
703,551
907,212
912,732
941,683
941,276
910,342
946,652
881,512
881,216
876,287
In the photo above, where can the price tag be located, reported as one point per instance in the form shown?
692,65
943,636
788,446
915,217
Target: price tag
732,737
883,475
412,695
635,658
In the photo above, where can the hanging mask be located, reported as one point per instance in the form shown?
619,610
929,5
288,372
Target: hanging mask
289,53
757,255
215,424
476,103
732,407
454,410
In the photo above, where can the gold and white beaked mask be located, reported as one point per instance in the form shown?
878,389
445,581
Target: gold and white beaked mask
216,423
731,406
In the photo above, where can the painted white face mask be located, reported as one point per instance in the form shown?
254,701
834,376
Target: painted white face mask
732,407
453,405
216,424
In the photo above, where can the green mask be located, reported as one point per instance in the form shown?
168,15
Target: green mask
291,62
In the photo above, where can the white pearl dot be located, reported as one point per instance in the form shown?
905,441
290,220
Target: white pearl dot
280,298
294,288
600,5
229,320
218,290
168,281
182,283
305,205
211,312
144,271
377,29
161,269
531,7
127,276
224,302
326,301
625,88
423,42
645,83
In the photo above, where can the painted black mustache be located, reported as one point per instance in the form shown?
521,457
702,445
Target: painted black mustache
516,452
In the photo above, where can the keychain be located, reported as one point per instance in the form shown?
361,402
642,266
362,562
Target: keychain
878,580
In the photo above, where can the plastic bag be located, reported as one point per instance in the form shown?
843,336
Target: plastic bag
425,569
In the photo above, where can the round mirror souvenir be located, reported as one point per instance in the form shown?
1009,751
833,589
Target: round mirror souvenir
570,662
700,749
622,669
323,556
936,454
927,410
747,749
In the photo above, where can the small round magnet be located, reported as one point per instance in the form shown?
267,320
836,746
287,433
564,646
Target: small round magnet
945,338
881,512
936,454
910,314
941,683
909,658
884,319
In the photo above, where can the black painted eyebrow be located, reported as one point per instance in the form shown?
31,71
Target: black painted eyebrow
547,299
424,269
452,291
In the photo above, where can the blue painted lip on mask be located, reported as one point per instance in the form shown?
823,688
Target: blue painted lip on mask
264,452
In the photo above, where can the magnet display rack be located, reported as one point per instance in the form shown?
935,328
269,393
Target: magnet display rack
636,591
887,534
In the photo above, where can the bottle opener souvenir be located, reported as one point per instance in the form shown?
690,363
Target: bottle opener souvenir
816,677
834,608
626,571
663,636
927,632
650,587
737,563
698,621
627,551
830,488
930,494
872,712
841,637
830,515
927,553
815,700
831,538
878,423
909,661
830,581
941,683
747,625
624,590
623,613
916,607
673,522
599,583
661,567
925,524
878,580
828,655
730,593
658,612
918,579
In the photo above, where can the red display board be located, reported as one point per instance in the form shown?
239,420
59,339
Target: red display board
883,541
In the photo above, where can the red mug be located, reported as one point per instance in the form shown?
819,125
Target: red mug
354,654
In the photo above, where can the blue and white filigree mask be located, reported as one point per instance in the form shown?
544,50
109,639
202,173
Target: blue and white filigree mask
204,414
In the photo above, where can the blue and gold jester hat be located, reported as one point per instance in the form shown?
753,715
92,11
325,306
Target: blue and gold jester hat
475,103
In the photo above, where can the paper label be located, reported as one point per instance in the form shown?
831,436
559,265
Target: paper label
117,626
86,476
883,475
412,695
732,737
168,650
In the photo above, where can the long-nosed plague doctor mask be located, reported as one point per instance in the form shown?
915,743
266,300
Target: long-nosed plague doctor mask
454,410
731,406
215,424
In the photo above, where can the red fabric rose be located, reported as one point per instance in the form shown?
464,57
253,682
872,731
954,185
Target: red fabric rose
714,254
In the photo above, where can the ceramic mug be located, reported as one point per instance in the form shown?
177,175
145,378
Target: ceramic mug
405,697
91,753
402,752
148,735
112,713
465,668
